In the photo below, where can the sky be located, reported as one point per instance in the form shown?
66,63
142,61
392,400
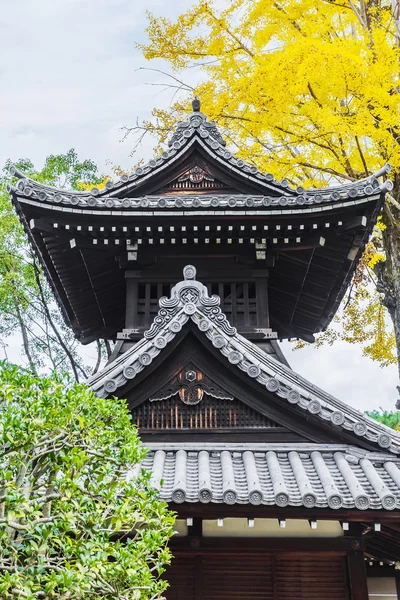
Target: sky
71,77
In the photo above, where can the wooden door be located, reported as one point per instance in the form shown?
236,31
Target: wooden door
258,576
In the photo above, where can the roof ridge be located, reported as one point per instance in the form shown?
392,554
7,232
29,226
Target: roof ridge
197,127
189,300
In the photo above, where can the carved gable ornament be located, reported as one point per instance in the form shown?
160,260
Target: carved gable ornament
188,295
196,175
191,385
196,178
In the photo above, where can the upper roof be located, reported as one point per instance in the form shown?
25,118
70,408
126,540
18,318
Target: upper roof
86,240
190,302
136,191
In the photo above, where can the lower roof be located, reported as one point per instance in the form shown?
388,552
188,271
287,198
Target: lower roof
310,475
190,306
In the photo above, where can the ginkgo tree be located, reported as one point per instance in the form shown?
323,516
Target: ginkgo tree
307,90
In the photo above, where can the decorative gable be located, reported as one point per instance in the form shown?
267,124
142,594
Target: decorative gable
192,401
191,384
195,179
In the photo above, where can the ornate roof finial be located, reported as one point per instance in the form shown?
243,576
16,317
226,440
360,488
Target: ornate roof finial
189,272
196,124
196,105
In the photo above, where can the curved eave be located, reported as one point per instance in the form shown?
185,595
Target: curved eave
343,284
79,326
114,194
48,269
218,205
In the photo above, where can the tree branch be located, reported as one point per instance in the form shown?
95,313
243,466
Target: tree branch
52,324
361,156
25,339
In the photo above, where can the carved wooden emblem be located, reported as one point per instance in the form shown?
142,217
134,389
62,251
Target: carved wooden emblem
196,175
191,385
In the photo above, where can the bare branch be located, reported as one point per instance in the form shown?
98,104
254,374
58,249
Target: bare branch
362,156
182,83
63,345
25,339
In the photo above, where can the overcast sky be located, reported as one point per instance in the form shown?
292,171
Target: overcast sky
69,79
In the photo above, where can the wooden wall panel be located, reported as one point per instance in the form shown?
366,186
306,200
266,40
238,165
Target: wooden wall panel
259,576
181,578
312,577
238,578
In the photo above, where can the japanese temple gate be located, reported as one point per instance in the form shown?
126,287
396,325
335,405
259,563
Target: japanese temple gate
197,263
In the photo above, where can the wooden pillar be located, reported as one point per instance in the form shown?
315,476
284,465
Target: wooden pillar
131,301
357,571
262,301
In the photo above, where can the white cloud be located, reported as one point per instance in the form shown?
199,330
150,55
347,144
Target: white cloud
69,77
342,371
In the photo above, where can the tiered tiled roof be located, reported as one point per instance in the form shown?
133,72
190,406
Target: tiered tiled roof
189,301
310,240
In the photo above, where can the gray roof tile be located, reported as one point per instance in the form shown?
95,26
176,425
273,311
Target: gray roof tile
310,476
196,128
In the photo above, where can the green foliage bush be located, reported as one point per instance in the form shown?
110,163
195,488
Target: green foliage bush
76,522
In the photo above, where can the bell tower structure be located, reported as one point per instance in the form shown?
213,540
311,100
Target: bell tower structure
196,264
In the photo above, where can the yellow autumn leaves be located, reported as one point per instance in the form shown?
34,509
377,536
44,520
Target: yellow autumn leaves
304,88
307,90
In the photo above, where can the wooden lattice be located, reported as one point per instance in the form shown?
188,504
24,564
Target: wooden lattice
210,413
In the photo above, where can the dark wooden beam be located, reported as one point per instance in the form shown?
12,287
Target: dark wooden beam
196,530
216,511
353,223
378,571
235,545
272,435
357,571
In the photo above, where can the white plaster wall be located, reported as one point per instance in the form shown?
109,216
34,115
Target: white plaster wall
382,588
270,528
180,527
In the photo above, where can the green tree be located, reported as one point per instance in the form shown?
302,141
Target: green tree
390,419
308,91
26,303
76,520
